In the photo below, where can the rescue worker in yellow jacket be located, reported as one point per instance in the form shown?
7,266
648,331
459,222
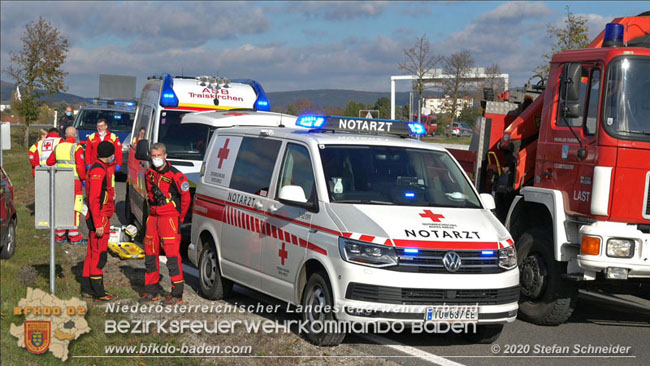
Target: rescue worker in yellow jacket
69,154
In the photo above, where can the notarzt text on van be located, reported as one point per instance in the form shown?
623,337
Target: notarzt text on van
442,234
360,125
240,199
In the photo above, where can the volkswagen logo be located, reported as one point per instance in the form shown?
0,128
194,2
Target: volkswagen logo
451,261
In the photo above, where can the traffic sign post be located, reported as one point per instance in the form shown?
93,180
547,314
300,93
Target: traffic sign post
54,206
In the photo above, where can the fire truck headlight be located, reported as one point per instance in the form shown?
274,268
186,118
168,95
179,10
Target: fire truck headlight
508,257
359,252
620,248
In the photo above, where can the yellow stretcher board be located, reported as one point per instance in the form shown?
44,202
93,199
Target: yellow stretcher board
126,250
123,249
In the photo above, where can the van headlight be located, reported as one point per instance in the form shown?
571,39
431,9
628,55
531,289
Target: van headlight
367,254
620,248
508,257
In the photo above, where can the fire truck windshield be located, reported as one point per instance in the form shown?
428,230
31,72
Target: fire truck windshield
627,98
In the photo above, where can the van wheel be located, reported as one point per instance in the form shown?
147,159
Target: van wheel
485,334
319,293
213,286
546,299
10,244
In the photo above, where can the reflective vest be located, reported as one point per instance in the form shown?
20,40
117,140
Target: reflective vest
45,148
64,153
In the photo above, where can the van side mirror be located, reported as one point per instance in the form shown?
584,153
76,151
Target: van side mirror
295,196
571,86
488,201
142,150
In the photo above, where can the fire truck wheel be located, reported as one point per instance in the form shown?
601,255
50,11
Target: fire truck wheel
213,286
10,243
545,298
317,311
485,334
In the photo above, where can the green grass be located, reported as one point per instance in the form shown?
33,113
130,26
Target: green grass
32,249
448,140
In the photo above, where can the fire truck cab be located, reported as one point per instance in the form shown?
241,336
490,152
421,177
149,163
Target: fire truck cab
569,165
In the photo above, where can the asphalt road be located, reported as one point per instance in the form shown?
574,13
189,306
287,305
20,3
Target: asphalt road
596,322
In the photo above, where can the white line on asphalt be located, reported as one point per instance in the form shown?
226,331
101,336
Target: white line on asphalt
186,268
410,350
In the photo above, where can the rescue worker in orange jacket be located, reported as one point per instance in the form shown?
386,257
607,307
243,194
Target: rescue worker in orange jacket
41,150
100,191
103,134
69,154
168,193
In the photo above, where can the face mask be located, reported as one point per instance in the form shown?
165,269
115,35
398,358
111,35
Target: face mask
157,162
112,159
68,114
102,134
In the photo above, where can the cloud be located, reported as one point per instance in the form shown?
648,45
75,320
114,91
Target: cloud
337,10
179,25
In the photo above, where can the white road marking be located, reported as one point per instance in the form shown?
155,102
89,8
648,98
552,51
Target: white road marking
426,356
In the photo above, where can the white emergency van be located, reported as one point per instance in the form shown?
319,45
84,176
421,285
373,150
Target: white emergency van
352,222
163,103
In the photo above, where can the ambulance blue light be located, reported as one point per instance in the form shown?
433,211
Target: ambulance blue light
487,252
130,104
411,251
417,128
613,35
168,98
262,104
117,116
409,194
310,121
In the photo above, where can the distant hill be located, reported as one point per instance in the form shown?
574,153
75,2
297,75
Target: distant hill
7,88
335,97
320,97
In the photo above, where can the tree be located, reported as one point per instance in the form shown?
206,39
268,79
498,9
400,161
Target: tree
292,109
493,81
460,66
353,108
304,105
469,115
573,35
383,106
420,63
36,69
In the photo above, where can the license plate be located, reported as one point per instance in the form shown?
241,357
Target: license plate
451,313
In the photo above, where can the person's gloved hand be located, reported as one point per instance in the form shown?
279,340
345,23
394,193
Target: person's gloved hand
88,167
83,184
117,168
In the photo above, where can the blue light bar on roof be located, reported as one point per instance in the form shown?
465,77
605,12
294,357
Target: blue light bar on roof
613,35
417,128
310,121
373,126
262,103
168,97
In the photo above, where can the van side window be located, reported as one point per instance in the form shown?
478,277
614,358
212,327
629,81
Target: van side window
141,130
592,107
254,165
297,170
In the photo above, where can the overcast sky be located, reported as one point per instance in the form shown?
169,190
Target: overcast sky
293,45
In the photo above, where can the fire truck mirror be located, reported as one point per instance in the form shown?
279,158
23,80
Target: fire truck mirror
572,75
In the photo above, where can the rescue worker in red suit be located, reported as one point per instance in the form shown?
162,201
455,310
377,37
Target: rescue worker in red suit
42,149
69,154
103,134
168,193
100,192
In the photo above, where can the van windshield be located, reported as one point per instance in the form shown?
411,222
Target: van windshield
187,141
117,121
395,175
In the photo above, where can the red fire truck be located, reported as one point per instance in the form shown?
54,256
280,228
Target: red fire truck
568,163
